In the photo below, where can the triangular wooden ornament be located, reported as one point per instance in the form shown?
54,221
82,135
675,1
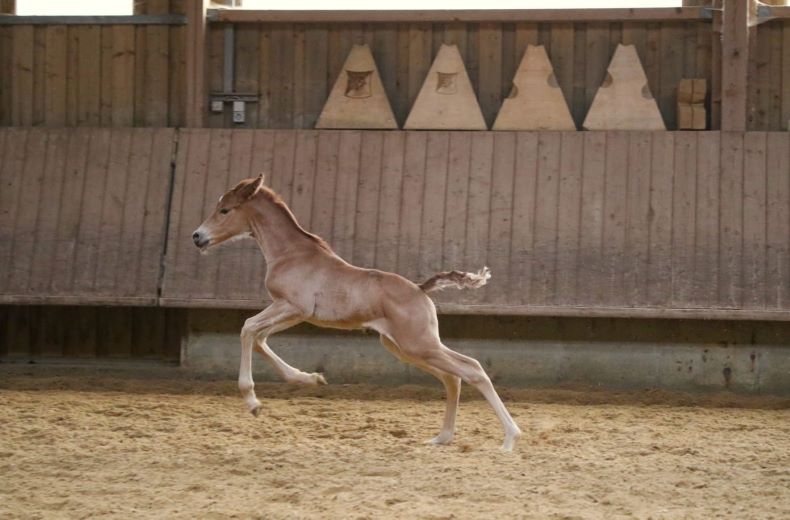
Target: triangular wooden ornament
536,101
446,100
358,98
624,101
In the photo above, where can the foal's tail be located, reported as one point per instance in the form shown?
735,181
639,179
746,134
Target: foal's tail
456,279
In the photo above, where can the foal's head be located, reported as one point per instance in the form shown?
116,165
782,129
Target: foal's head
228,220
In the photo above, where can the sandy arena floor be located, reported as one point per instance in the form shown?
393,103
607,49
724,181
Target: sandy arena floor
74,444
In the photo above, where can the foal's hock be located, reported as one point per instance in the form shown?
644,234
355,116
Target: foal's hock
308,282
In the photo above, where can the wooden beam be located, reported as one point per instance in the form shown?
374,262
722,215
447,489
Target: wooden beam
143,19
735,63
195,61
715,67
7,6
478,15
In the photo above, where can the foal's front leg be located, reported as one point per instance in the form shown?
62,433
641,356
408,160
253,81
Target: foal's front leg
278,316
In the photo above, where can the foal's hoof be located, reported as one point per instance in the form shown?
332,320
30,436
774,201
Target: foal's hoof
440,440
256,411
510,442
319,378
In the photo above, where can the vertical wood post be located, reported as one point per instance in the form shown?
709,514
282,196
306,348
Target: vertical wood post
715,66
735,63
195,61
7,6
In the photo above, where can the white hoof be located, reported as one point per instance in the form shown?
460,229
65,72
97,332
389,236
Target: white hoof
510,441
256,410
318,379
440,440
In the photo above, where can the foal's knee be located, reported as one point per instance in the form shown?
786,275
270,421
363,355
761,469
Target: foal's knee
248,331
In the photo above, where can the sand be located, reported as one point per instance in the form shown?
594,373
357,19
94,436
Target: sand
79,444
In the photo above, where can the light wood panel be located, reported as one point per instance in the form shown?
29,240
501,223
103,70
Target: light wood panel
83,214
686,224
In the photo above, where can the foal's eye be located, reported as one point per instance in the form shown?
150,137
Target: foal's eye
224,210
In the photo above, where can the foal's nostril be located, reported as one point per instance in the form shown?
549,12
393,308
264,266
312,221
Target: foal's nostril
196,236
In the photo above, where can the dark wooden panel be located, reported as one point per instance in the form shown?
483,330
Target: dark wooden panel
91,75
87,213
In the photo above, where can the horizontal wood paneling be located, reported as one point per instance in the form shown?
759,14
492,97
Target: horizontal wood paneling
83,214
91,75
308,57
613,223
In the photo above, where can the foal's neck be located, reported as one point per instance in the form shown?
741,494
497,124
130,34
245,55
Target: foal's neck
276,230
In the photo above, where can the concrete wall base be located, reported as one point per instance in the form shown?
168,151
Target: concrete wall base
748,357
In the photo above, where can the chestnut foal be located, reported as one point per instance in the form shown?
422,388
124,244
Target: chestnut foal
309,282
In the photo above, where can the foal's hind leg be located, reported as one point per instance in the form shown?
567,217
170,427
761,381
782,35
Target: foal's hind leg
452,386
442,358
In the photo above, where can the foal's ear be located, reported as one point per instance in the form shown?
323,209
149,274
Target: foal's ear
248,190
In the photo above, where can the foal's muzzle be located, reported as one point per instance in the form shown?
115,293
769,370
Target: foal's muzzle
199,239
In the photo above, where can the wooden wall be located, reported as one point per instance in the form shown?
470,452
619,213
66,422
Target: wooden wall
769,85
594,223
91,75
83,214
293,66
45,331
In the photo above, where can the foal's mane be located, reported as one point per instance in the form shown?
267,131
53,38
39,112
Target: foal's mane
280,204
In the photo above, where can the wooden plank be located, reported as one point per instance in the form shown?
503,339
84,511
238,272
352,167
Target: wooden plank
86,258
578,103
123,73
325,180
401,104
195,58
283,164
684,216
460,15
569,215
155,214
385,52
22,245
390,201
156,57
615,209
419,59
89,74
479,205
735,65
457,195
281,84
105,82
754,220
501,215
12,162
672,56
433,204
661,176
345,194
414,172
22,76
131,230
298,85
368,192
80,340
785,76
265,74
562,57
524,214
175,271
731,219
111,215
177,70
215,64
114,333
39,71
597,60
509,60
591,281
301,201
6,81
777,281
706,260
42,265
547,207
315,73
489,87
638,216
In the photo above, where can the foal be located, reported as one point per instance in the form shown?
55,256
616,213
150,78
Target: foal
309,282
